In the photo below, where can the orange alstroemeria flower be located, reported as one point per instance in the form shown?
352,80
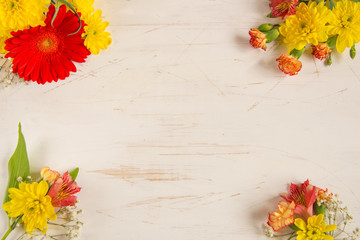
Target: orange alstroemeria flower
321,51
258,39
63,190
283,8
304,195
323,195
283,217
289,64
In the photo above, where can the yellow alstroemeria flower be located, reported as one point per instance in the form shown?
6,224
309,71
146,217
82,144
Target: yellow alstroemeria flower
31,201
315,228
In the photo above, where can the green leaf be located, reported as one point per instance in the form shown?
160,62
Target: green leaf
74,173
18,165
319,209
297,53
294,227
331,4
271,16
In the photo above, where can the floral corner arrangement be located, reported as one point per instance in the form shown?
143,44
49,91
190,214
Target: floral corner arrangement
310,213
38,203
43,38
320,26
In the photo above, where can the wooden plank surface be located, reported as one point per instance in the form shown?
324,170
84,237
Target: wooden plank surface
182,130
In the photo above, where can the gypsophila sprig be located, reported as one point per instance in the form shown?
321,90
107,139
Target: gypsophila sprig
45,38
308,212
321,26
40,205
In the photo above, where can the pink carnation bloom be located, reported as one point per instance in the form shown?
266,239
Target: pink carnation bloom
283,8
63,190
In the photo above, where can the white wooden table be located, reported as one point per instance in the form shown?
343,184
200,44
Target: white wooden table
182,130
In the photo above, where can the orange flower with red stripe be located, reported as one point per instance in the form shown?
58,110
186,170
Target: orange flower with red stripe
63,190
283,217
283,8
304,196
289,64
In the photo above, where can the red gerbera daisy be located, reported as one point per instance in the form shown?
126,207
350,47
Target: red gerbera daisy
45,53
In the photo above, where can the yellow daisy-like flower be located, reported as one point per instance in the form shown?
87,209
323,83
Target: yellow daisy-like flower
95,36
31,201
20,14
315,228
4,34
306,26
345,23
83,6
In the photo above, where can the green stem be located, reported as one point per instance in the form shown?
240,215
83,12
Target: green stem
12,227
286,234
7,233
292,237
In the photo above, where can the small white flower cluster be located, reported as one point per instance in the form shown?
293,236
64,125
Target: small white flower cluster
71,222
339,215
7,77
27,179
269,232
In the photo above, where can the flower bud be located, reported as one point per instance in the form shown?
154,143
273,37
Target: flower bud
265,27
272,35
49,175
258,39
329,60
353,52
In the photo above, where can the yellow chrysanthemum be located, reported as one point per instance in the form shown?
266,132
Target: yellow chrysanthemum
4,34
83,6
306,26
20,14
345,23
95,36
315,228
31,201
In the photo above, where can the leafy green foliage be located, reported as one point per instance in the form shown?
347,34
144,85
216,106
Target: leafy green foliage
74,173
18,165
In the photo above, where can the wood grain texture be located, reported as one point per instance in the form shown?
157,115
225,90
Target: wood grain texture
183,131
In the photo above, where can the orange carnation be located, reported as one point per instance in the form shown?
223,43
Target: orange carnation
258,39
321,51
283,217
289,64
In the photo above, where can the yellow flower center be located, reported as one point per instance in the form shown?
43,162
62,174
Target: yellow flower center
314,233
13,5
